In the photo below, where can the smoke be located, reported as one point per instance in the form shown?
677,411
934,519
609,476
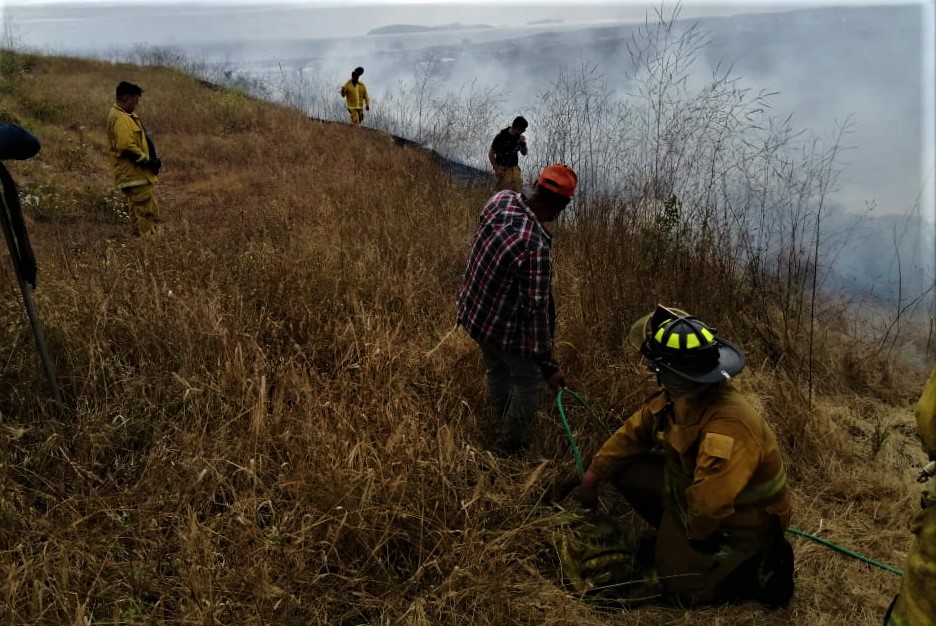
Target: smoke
869,68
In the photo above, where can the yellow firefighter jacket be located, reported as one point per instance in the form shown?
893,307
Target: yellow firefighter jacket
355,95
926,415
916,604
128,148
723,465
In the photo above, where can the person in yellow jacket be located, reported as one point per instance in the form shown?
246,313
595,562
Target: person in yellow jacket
701,466
915,605
134,159
355,94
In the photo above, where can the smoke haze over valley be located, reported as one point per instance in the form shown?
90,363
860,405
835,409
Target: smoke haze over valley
865,69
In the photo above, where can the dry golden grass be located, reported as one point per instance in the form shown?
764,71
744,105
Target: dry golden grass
259,433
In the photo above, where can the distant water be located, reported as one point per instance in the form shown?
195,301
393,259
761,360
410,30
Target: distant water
866,63
872,65
267,30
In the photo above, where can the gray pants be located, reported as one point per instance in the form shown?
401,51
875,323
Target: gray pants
514,383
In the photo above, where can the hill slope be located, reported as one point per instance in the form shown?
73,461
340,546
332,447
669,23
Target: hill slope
259,429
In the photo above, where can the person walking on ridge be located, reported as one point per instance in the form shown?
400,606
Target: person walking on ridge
703,468
134,160
505,300
915,605
355,94
502,155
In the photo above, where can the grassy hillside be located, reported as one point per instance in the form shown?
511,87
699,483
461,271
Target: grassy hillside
260,431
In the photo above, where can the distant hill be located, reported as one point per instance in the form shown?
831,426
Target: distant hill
407,29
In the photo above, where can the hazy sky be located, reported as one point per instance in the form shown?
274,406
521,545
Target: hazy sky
822,76
568,3
690,7
874,66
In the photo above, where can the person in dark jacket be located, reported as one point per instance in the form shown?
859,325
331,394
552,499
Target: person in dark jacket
503,155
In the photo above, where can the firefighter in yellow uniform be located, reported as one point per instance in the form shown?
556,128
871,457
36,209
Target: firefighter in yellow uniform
134,159
355,94
915,605
701,466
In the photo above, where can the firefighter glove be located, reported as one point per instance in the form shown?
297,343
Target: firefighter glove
154,165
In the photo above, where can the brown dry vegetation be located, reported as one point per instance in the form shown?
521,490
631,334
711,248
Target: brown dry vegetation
256,434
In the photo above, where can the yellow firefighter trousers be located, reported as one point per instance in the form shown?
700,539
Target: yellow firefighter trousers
142,209
357,116
916,604
511,178
689,576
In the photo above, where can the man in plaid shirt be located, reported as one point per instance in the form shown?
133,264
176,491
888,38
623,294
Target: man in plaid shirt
505,301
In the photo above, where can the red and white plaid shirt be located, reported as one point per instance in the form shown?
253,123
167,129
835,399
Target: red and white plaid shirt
505,298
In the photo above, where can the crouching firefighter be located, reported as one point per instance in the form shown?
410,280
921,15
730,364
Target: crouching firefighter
699,464
915,605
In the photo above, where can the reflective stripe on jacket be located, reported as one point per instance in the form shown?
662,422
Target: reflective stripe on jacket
128,149
723,464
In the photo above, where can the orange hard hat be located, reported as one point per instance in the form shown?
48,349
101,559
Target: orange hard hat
558,178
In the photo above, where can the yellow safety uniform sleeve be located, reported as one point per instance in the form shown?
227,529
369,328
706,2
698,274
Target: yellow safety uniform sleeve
127,138
128,149
364,96
916,603
633,437
725,463
926,415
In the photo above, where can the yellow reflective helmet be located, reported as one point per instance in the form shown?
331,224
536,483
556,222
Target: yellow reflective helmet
642,328
689,348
